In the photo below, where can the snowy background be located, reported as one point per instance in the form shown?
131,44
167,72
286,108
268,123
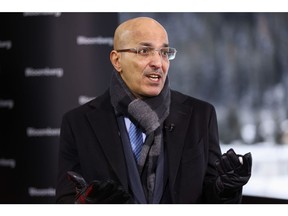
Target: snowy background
239,63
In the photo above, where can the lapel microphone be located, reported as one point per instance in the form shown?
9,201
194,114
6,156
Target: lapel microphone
170,127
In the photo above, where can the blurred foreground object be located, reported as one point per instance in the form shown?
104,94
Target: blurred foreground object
98,192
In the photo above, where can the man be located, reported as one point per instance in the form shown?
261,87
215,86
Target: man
180,159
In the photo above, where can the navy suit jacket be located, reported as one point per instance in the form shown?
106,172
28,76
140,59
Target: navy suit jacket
90,144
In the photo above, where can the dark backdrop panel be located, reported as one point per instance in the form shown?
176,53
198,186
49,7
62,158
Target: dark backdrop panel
9,109
55,62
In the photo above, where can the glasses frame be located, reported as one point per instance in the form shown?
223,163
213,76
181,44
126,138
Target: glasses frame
137,51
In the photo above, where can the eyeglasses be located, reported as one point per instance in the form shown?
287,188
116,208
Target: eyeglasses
146,51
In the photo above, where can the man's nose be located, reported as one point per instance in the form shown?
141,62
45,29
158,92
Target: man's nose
156,59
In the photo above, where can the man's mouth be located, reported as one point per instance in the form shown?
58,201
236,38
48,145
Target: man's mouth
154,77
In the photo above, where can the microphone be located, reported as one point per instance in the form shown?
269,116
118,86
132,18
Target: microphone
170,127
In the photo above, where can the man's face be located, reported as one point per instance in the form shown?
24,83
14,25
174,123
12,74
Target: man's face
144,75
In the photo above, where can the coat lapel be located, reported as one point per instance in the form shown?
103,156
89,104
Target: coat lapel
104,124
176,126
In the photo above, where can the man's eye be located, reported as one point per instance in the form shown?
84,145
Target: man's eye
144,50
165,52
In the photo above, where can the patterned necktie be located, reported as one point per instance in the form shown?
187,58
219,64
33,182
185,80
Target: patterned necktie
136,140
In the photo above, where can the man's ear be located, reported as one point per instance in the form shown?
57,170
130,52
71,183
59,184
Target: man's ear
115,59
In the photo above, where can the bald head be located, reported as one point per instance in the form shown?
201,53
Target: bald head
144,74
131,30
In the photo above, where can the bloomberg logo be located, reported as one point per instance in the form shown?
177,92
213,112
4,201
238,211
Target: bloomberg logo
55,14
33,72
4,162
9,104
5,44
42,132
84,99
83,40
41,192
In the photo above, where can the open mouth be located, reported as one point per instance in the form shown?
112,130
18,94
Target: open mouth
154,77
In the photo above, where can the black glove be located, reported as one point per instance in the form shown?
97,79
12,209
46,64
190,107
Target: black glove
234,172
98,192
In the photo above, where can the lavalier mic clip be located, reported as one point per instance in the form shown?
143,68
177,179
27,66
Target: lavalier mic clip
170,127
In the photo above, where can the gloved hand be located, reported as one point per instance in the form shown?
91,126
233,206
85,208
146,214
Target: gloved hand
234,172
98,192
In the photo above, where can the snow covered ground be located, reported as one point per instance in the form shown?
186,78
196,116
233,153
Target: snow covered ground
269,169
